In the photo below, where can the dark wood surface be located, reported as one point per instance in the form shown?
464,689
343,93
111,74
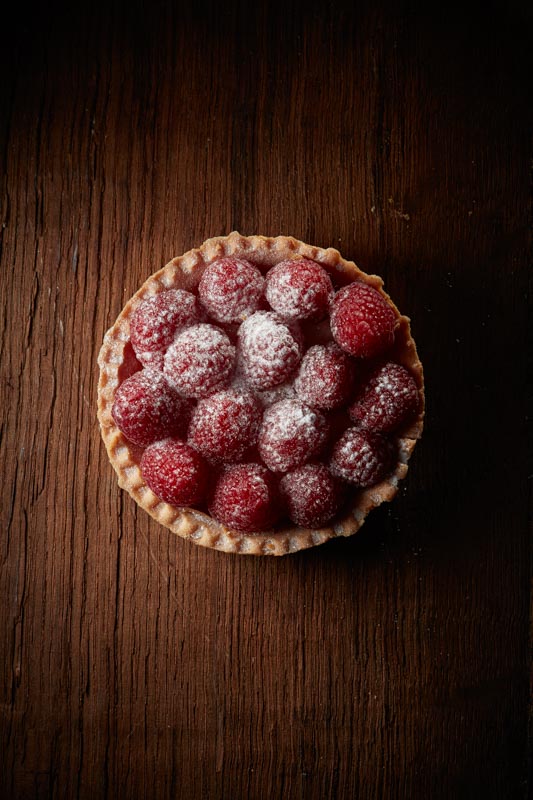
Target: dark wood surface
392,665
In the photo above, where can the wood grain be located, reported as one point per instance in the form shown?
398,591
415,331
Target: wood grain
393,665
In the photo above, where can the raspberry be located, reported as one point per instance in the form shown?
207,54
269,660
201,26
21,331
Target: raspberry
225,425
362,322
388,399
312,495
246,497
230,289
269,349
147,408
291,434
326,376
156,321
299,289
200,360
175,472
361,457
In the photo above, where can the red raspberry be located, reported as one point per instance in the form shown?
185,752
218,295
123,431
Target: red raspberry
362,322
175,472
291,434
246,497
313,496
326,376
230,289
225,425
269,349
361,457
157,319
200,360
299,289
147,408
387,400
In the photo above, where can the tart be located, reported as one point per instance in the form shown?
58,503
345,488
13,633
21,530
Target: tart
260,395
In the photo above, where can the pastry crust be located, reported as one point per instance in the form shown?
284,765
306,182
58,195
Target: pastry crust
184,272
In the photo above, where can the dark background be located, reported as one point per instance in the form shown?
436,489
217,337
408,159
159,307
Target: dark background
391,665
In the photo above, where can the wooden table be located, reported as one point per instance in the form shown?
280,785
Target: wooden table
392,665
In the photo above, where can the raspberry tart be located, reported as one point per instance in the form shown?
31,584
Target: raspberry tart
260,395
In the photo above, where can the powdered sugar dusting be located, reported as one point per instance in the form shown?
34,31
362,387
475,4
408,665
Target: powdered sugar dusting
299,289
269,349
200,361
154,360
157,320
361,457
312,494
225,425
388,399
291,434
147,408
326,376
230,289
286,391
246,498
175,472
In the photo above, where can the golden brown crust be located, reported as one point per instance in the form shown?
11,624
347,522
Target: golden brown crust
184,272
